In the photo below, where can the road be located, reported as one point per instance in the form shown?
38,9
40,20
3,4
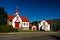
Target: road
30,36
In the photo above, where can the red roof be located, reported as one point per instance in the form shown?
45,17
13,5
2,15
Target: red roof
24,19
49,21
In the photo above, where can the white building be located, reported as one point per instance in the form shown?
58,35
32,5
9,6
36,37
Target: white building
34,27
44,25
18,21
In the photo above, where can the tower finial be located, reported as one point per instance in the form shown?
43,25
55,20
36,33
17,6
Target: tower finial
17,12
16,9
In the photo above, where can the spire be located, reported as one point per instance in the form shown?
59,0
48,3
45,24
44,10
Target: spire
17,12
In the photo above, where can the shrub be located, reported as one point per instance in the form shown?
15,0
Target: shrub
6,28
15,29
56,28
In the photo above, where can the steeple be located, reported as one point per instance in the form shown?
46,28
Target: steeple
17,12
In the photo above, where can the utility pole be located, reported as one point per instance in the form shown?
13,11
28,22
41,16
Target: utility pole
55,26
51,24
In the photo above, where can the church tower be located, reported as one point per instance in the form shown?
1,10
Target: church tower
17,21
17,12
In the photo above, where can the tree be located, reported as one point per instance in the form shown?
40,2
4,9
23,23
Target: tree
56,24
3,16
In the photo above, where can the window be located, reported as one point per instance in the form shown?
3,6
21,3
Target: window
24,24
27,24
17,17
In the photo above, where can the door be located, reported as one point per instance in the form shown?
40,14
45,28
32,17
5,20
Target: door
17,24
33,28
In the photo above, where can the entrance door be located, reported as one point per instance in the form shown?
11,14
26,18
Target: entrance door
17,24
33,28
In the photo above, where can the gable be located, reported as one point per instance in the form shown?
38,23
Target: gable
45,22
48,21
17,18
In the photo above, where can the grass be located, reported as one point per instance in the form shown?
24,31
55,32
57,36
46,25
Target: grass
30,31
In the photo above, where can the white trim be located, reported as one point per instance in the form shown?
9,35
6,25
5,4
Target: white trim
19,20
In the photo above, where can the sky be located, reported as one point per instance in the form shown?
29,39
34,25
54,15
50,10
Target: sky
34,10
